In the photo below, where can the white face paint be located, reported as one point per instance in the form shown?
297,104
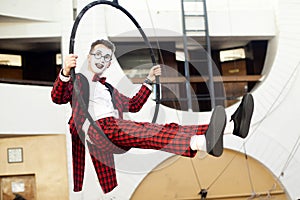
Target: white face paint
99,59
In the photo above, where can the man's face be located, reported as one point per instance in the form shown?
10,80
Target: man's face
99,59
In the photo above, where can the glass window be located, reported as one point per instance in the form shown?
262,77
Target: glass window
136,63
232,54
58,59
11,60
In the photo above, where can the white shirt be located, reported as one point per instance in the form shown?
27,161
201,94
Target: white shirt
100,101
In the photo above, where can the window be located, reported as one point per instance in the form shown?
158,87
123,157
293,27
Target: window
11,60
30,61
135,59
232,54
58,59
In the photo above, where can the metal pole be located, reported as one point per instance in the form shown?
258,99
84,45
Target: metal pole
186,63
209,62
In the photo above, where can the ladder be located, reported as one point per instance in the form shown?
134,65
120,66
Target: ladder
195,24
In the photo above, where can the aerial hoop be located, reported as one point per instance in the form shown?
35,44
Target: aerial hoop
116,5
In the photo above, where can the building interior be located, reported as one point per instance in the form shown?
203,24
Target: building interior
212,52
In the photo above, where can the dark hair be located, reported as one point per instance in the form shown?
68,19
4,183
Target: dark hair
106,43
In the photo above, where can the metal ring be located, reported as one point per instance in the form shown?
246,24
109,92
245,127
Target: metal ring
71,50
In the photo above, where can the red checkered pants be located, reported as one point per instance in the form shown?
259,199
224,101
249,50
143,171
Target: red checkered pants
172,138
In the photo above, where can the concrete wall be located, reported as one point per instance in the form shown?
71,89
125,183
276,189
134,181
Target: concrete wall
29,110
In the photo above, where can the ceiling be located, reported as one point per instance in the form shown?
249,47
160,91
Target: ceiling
216,42
54,43
13,19
27,44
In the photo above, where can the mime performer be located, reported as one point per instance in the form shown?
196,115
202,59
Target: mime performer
106,104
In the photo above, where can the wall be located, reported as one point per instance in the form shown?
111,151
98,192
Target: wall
241,18
29,110
226,18
29,19
274,134
206,172
46,157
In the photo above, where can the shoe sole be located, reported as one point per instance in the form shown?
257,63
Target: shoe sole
247,111
214,133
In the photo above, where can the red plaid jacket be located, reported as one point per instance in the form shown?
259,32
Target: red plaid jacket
102,156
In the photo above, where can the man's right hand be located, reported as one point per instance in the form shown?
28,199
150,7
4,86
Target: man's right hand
69,63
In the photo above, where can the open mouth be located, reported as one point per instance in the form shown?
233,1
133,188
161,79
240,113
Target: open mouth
99,66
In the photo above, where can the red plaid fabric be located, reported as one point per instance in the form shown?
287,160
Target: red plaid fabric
126,134
123,134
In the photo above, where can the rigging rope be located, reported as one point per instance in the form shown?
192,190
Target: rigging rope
152,24
157,86
271,108
116,5
295,148
248,170
162,60
291,156
197,175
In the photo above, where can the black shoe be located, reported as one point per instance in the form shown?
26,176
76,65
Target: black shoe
214,133
242,116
